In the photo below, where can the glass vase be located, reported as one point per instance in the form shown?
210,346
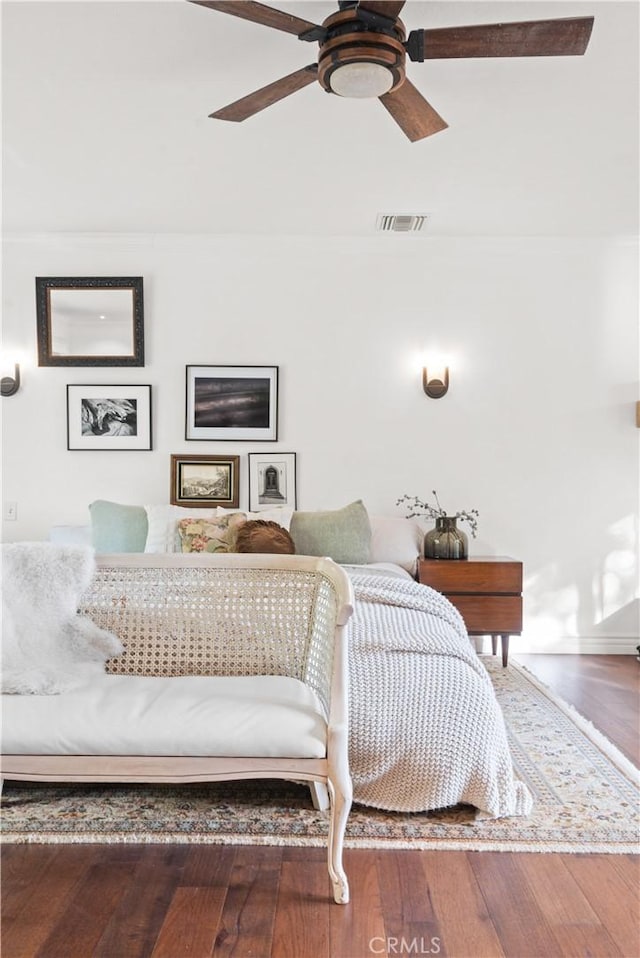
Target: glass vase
446,541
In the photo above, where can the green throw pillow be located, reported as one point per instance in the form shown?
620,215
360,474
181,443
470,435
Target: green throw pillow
118,528
344,534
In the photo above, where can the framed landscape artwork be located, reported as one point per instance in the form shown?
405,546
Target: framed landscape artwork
272,480
109,417
237,403
205,481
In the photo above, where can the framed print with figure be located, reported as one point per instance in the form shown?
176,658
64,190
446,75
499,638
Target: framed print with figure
272,480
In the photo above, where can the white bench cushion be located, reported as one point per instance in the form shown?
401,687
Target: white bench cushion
256,716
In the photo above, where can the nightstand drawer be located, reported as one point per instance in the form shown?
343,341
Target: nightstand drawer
490,614
474,576
486,591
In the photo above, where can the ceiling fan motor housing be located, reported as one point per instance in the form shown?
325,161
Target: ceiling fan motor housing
350,41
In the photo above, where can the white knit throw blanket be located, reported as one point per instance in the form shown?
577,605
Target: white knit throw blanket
46,646
426,730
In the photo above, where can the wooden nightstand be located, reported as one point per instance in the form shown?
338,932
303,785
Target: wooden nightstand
486,590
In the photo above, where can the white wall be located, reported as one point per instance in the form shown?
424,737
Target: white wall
537,431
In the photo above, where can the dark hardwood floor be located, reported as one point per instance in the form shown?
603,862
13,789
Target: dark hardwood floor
169,901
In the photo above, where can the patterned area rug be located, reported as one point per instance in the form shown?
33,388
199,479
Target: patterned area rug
585,799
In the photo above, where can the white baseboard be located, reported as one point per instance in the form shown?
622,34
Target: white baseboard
569,645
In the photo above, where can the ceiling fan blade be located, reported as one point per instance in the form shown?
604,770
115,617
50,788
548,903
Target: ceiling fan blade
387,8
534,38
267,95
413,114
259,13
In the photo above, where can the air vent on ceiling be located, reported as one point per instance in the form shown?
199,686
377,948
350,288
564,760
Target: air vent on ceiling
400,224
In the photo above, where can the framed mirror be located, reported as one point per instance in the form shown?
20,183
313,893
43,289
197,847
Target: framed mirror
90,321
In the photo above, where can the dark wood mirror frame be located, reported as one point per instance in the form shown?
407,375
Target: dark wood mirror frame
55,312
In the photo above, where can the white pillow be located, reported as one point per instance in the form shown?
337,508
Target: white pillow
396,540
280,514
70,535
163,525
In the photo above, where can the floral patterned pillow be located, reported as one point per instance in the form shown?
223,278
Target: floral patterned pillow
216,534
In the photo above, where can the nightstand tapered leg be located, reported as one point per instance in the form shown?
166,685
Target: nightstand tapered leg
504,639
494,644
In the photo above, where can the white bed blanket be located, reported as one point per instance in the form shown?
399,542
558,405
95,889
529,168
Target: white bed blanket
426,730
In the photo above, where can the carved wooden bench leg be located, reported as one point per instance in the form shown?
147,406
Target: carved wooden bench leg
340,794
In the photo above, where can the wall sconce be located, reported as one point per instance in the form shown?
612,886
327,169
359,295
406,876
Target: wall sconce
433,387
9,385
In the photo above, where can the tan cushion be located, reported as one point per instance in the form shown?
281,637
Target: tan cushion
261,535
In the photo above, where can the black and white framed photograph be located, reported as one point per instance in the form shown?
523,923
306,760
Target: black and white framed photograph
205,481
237,403
272,480
109,417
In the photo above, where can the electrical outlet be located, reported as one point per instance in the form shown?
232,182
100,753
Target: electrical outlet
10,511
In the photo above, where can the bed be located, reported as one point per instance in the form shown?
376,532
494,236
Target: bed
426,730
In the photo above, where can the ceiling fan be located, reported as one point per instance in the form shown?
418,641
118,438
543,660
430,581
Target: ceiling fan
363,48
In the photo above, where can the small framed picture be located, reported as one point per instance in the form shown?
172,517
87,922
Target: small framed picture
205,481
272,480
238,403
109,417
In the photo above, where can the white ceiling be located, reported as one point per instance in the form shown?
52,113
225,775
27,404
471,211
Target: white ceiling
106,128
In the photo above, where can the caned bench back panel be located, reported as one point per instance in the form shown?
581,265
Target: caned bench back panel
221,615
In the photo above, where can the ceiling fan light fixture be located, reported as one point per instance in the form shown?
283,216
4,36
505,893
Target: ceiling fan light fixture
362,51
361,80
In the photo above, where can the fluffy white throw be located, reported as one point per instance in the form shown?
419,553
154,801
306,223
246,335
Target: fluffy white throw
46,646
